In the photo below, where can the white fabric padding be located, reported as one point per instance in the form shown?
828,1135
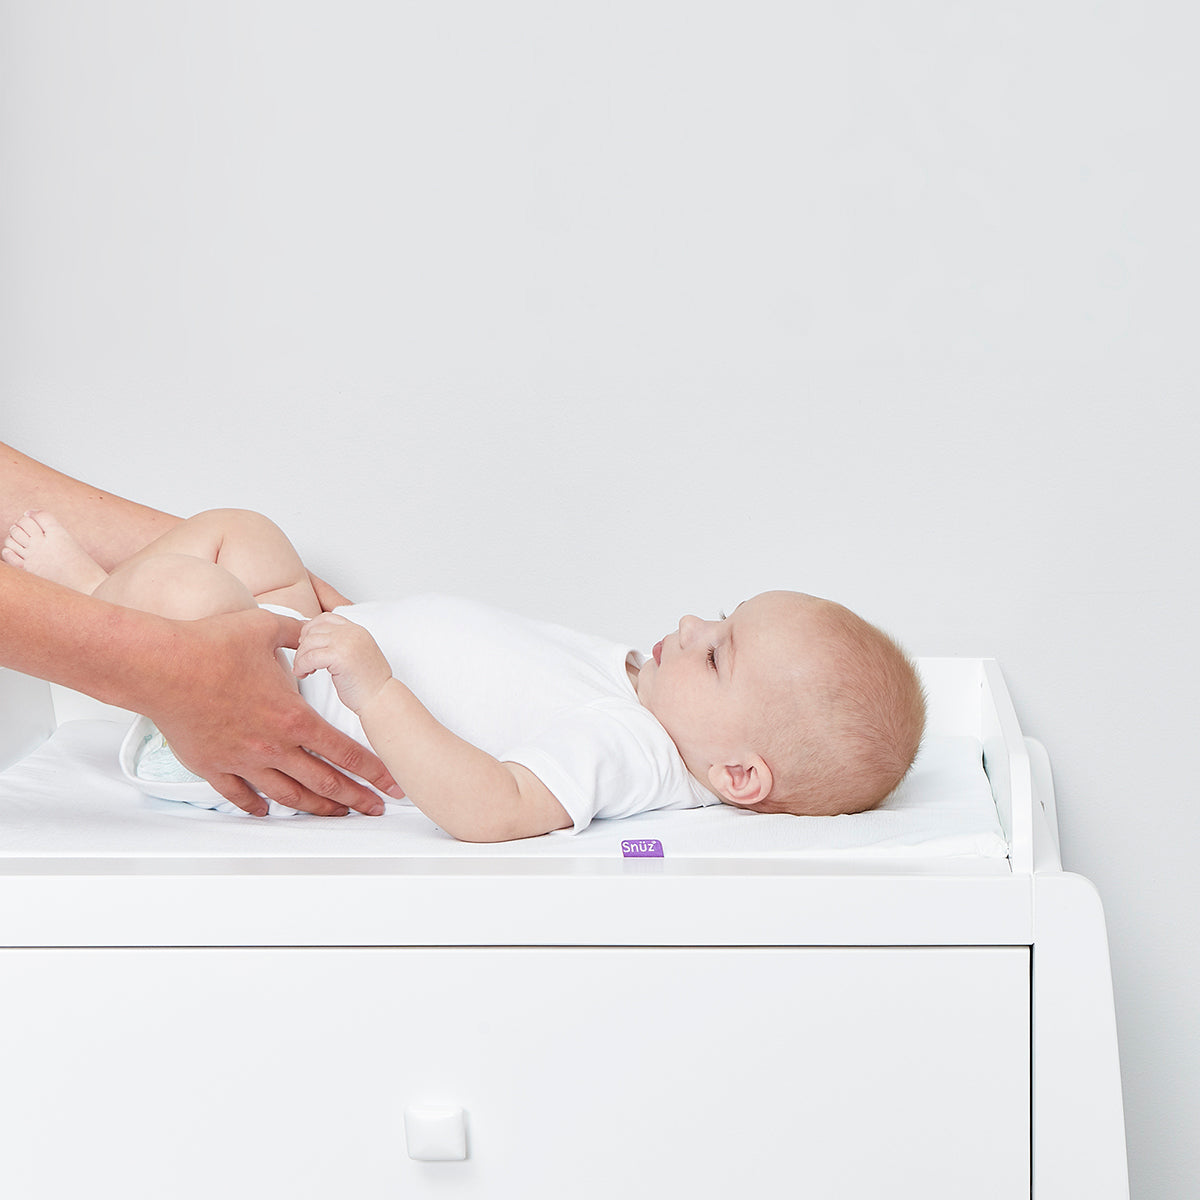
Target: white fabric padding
69,799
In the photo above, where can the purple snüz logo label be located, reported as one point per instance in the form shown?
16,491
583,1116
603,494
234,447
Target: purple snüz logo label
643,848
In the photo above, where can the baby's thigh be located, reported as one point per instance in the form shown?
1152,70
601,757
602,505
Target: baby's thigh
217,532
179,586
248,545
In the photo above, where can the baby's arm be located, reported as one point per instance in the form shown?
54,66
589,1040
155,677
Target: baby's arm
469,793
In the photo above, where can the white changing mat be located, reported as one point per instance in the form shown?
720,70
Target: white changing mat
69,799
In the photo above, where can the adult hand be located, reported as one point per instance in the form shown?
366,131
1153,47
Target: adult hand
231,714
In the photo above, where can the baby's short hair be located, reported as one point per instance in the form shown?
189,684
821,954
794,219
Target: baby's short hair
856,725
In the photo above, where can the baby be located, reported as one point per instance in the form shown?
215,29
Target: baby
791,704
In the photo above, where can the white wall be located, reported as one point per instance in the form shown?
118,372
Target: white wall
613,311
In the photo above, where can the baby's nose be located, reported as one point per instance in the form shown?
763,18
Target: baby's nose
687,628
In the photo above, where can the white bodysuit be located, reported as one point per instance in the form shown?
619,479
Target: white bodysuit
553,700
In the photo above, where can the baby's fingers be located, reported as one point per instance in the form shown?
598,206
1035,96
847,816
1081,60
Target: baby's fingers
312,656
325,623
312,648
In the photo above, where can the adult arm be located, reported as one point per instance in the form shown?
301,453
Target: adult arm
213,687
110,528
471,794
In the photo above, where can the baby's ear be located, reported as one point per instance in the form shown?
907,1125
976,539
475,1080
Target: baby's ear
743,784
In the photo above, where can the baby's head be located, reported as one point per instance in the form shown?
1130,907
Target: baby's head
790,704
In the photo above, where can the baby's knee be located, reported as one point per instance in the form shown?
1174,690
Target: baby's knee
243,531
178,586
239,523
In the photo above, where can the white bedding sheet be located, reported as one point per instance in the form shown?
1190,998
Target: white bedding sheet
69,799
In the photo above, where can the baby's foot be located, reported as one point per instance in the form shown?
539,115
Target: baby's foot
37,543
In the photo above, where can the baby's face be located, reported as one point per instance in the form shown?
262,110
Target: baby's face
710,683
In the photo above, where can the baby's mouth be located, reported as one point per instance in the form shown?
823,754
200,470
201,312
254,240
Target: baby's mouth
656,654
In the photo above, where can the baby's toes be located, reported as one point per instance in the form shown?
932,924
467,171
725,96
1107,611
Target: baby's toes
21,534
42,525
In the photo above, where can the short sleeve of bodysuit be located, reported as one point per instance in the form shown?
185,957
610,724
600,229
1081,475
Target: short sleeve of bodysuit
609,758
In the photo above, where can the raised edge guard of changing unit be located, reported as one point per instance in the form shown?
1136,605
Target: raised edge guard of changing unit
962,690
1006,760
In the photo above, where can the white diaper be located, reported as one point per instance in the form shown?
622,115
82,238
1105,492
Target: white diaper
148,762
155,761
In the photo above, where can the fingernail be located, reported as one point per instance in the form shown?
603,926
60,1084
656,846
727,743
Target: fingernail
377,809
396,792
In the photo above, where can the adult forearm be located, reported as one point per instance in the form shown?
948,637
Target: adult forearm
109,527
114,654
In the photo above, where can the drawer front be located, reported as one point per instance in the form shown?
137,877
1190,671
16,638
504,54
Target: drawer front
578,1072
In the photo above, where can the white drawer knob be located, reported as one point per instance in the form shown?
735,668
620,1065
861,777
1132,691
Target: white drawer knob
435,1132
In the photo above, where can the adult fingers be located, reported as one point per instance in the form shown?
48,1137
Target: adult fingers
238,792
275,785
324,789
345,754
282,787
288,632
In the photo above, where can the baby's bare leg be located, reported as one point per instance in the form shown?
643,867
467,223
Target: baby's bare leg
248,546
178,586
171,584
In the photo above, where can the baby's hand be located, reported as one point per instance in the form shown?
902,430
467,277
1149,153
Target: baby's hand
348,652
